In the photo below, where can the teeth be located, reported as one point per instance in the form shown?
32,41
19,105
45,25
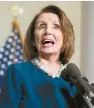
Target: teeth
47,41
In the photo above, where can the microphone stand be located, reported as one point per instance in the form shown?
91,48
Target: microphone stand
88,101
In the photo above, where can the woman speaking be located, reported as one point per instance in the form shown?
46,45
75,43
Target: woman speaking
37,82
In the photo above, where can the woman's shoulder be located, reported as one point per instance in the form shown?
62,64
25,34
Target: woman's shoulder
21,70
24,63
22,66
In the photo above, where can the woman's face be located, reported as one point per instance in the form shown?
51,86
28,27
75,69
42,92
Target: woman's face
48,34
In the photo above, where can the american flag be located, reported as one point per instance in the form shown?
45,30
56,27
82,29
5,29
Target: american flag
12,51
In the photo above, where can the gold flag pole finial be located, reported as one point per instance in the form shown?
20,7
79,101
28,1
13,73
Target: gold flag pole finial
17,10
14,11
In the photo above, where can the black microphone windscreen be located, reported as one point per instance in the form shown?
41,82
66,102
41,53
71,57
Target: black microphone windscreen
73,70
92,84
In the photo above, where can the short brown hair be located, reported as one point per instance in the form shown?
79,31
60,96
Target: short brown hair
30,50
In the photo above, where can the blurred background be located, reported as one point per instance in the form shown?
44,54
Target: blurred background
79,12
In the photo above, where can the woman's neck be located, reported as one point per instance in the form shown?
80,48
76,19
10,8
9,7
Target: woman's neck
49,59
51,66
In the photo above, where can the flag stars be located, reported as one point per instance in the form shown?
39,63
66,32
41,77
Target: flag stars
15,60
21,50
14,43
10,40
15,37
1,56
12,50
9,62
2,73
18,47
3,66
21,57
5,59
19,41
11,56
6,52
8,46
2,50
17,53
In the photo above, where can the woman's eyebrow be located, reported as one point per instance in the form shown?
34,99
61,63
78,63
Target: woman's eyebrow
43,22
56,22
38,22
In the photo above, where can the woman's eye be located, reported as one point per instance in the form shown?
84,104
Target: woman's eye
41,26
56,26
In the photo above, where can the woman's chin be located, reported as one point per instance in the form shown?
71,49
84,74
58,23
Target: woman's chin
49,51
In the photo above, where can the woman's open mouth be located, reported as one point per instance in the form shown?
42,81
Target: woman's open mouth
47,42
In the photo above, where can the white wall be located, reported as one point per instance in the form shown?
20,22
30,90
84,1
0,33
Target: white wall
71,8
87,40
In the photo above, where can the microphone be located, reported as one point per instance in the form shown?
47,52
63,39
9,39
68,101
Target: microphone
72,73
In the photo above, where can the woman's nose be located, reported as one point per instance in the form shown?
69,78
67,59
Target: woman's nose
48,30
